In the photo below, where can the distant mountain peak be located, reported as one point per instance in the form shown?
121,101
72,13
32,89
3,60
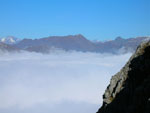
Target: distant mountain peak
76,36
9,40
119,38
79,35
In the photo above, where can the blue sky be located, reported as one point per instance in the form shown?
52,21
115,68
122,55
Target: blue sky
95,19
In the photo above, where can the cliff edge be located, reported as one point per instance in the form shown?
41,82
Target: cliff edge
129,89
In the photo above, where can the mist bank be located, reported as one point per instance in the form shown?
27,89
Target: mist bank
56,82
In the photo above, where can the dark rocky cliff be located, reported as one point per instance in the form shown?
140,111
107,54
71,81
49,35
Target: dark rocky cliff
129,89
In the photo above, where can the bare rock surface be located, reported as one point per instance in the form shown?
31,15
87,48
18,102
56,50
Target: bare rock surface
129,89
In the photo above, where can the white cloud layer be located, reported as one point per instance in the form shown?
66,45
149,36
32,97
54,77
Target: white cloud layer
71,82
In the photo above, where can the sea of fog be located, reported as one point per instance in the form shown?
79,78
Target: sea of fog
66,82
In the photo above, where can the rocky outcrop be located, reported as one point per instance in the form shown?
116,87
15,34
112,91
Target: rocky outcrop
129,89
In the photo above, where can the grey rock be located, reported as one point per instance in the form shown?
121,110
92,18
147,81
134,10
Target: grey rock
129,89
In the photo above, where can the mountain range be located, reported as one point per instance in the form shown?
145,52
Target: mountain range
71,43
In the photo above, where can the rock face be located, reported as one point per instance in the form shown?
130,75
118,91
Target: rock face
129,89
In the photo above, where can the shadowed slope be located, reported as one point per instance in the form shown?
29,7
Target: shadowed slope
129,90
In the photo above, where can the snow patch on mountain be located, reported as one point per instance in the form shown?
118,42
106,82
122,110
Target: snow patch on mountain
9,40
